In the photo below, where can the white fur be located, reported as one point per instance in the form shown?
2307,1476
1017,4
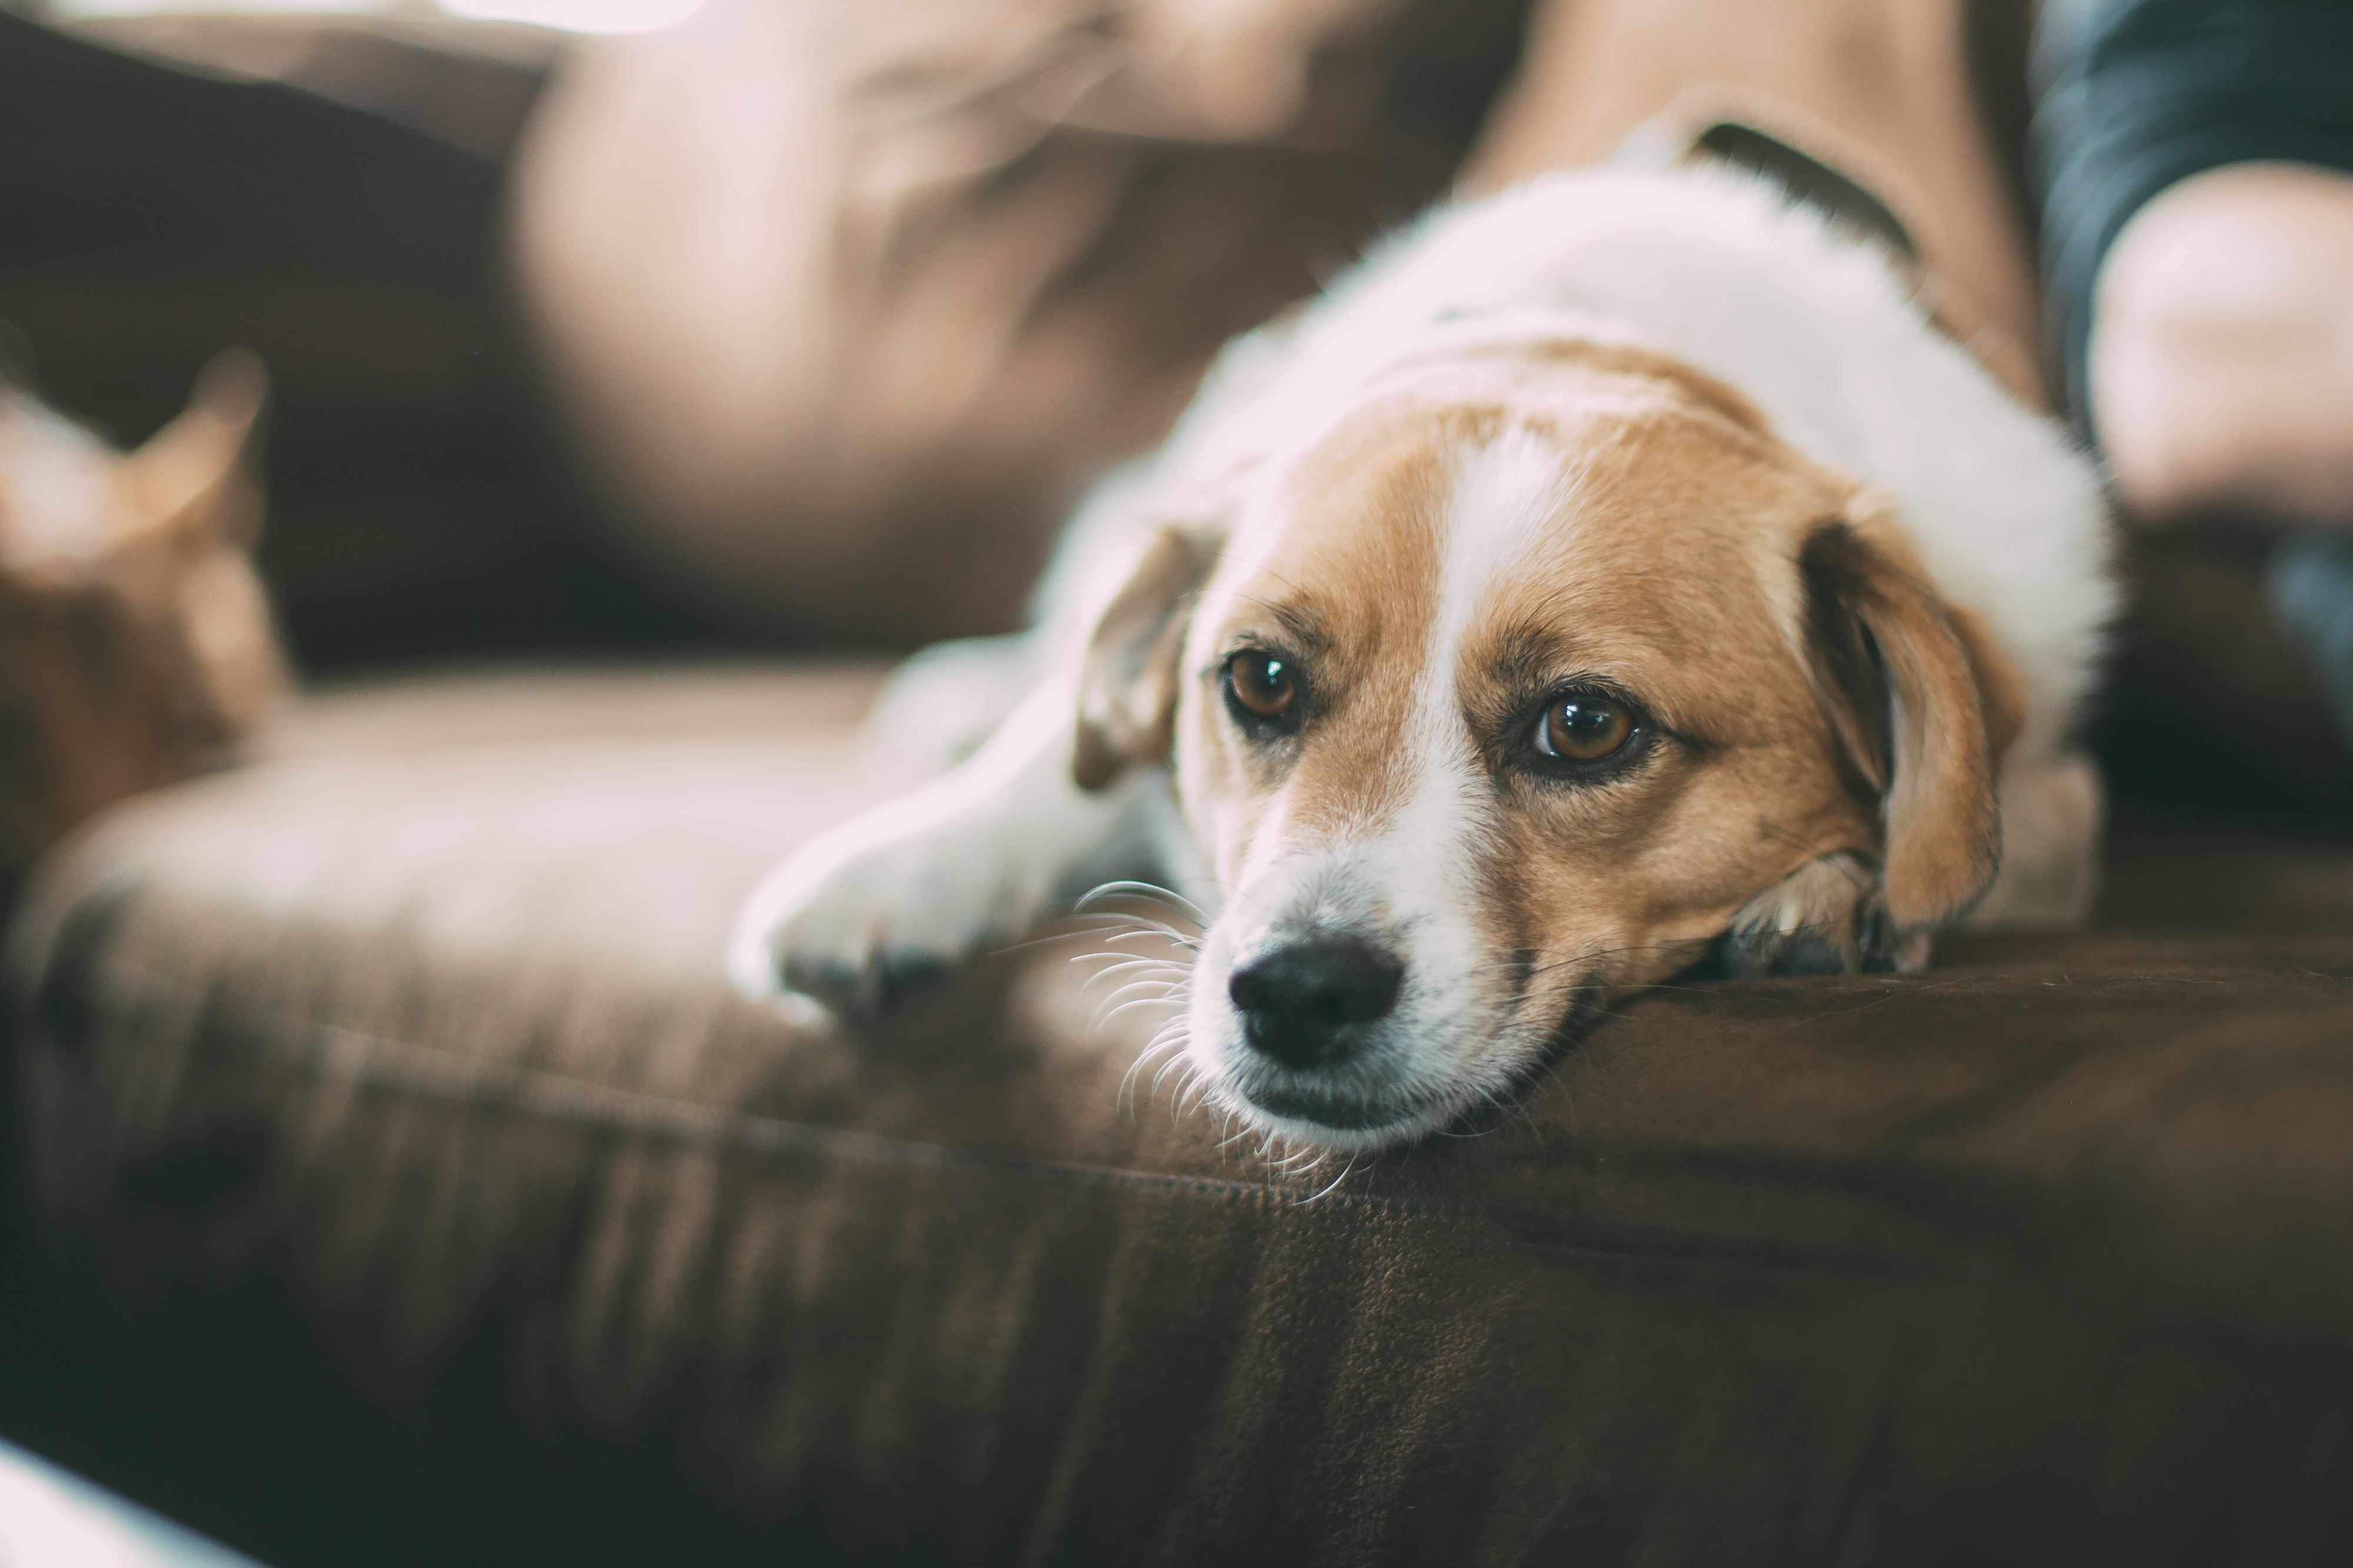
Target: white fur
1702,264
56,487
975,855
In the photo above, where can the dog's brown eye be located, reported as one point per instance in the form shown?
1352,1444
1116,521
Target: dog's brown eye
1583,729
1261,683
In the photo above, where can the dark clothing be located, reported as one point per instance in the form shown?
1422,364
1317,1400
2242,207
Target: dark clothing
2310,579
2137,94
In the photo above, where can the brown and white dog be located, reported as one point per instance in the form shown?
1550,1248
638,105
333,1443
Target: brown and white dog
1612,575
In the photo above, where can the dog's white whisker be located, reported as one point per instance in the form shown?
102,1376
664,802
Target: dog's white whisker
1073,930
1126,964
1135,994
1150,893
1119,969
1161,1001
1161,1045
1160,933
1299,1160
1109,1000
1161,979
1179,1066
1333,1186
1197,1089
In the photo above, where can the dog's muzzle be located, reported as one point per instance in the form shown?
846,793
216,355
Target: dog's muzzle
1312,1012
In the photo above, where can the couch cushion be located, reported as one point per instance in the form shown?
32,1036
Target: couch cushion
391,1083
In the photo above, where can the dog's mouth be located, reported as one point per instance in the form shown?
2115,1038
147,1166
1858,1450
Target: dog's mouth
1373,1105
1339,1112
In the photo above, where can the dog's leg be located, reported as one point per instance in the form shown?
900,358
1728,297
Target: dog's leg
2051,815
866,913
1824,918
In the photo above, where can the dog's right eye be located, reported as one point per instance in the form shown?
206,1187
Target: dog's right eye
1260,686
1583,728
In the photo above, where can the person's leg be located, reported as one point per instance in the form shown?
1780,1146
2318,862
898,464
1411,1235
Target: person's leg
2222,382
850,299
2221,349
1884,90
2197,160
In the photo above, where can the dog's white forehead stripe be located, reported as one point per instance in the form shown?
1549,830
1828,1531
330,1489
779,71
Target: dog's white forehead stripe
1507,495
1502,498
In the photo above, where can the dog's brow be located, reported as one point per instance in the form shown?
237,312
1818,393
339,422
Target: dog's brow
1303,625
1520,662
1524,654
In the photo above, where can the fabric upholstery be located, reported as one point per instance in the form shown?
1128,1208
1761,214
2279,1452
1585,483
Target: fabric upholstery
389,1087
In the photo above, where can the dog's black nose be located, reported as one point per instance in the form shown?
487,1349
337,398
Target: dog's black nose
1300,1002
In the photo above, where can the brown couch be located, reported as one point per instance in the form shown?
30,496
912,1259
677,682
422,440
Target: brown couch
392,1180
382,1107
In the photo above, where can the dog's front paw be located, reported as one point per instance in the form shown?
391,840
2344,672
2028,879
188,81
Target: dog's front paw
1824,918
860,917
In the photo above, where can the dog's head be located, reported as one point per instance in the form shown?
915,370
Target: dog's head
1543,672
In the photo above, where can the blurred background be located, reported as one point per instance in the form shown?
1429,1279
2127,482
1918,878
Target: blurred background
617,325
624,332
324,184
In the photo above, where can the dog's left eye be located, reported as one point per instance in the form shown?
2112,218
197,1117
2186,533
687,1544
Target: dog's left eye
1583,728
1262,685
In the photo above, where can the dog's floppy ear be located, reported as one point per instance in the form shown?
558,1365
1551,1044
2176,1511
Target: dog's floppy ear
1922,706
1128,682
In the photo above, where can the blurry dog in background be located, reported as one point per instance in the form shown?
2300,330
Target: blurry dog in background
1612,576
136,645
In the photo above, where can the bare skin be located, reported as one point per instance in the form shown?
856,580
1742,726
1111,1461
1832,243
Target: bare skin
1878,89
2222,359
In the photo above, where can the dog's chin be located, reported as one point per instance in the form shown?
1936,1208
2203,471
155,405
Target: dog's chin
1335,1120
1380,1100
